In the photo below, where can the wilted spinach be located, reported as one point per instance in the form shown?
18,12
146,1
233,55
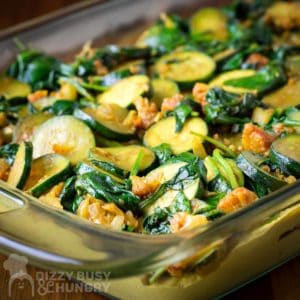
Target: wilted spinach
228,108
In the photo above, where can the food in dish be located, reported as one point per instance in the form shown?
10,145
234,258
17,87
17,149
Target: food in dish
191,123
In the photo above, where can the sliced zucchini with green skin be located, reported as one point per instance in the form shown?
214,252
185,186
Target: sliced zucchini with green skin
286,155
163,88
47,171
220,80
250,163
293,119
11,88
190,192
25,127
262,116
164,132
85,166
209,20
164,173
21,167
185,67
284,97
123,157
111,127
126,91
64,135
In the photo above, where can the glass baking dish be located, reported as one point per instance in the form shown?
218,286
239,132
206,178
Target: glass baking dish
234,249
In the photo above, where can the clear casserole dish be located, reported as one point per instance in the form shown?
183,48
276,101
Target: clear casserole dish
234,249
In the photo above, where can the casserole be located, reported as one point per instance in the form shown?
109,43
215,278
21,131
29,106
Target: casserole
87,247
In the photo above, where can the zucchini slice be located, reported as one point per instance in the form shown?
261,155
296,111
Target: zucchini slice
25,127
21,167
126,91
11,88
284,97
209,20
286,155
85,166
47,171
108,122
220,80
250,163
262,116
64,135
163,88
165,173
122,157
185,67
164,132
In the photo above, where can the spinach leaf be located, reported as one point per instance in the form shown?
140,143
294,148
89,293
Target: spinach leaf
102,186
158,222
266,79
180,203
163,153
185,176
109,56
228,108
39,70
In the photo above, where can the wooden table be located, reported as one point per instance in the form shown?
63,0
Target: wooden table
282,284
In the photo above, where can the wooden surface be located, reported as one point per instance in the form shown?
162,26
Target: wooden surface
281,284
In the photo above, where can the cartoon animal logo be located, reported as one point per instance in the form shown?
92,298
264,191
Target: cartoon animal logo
16,266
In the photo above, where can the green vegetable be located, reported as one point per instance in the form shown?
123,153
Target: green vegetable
185,67
21,167
124,71
85,166
158,221
104,187
121,160
26,127
228,108
165,36
109,56
250,164
164,131
11,88
286,155
108,127
78,85
126,91
186,177
38,70
266,79
184,110
163,88
64,135
209,20
286,96
68,194
219,81
8,152
47,171
163,153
